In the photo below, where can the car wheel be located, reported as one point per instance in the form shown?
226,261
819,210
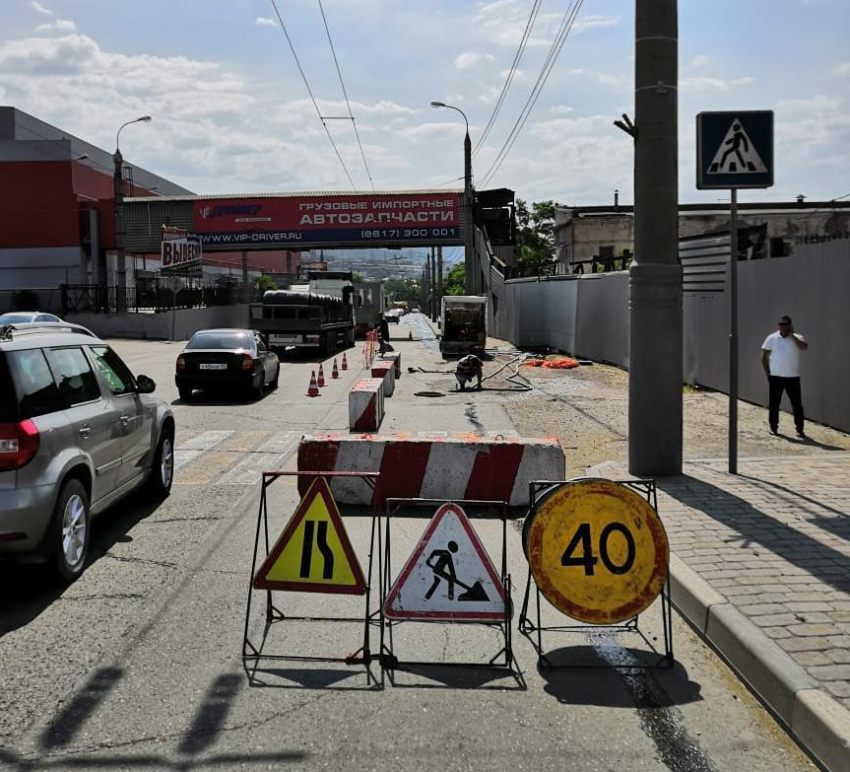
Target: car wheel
185,393
276,380
70,530
260,389
162,468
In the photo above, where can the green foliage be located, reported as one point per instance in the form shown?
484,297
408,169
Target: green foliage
536,237
265,283
401,289
356,276
455,281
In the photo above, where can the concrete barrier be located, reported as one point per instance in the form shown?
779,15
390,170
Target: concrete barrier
366,405
472,467
386,372
395,358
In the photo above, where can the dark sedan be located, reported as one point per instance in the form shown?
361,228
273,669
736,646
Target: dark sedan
226,359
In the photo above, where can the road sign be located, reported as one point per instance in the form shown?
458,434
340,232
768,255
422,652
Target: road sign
735,150
313,554
448,576
597,550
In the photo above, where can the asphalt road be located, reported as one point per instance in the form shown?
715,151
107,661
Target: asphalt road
138,664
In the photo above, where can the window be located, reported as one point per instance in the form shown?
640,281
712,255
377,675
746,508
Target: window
37,392
47,318
220,340
118,377
261,347
76,380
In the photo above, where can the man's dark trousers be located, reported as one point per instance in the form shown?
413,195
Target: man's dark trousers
792,386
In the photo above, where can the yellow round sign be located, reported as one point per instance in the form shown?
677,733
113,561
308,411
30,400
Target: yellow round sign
597,550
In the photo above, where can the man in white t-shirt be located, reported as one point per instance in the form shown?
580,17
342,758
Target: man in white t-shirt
780,358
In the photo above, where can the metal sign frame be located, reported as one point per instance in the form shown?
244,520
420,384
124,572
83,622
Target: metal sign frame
712,128
411,508
533,629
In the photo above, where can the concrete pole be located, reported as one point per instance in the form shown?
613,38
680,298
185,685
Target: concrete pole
428,284
733,335
439,283
435,286
655,276
120,258
245,291
471,281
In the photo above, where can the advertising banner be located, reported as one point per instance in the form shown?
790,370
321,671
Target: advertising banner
357,219
180,253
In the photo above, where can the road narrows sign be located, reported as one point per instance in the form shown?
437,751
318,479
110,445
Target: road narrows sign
448,576
313,554
597,551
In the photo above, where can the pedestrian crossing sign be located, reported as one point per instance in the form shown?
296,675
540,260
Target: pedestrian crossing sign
735,150
313,554
448,576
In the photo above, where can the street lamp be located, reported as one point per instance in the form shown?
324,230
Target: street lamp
470,285
118,180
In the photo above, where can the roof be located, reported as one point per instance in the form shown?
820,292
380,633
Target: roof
300,194
14,337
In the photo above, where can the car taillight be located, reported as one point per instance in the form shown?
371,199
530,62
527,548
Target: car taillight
18,444
181,363
247,362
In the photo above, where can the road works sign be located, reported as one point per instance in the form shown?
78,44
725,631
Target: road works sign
735,150
449,576
597,550
313,554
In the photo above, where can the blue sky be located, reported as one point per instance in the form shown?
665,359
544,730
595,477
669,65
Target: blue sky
231,113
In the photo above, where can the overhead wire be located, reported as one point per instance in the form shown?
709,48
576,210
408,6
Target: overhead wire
345,94
310,92
549,63
535,8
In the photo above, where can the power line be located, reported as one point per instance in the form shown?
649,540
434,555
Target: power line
511,74
548,65
345,94
310,92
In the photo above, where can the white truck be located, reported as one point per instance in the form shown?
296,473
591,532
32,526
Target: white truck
463,324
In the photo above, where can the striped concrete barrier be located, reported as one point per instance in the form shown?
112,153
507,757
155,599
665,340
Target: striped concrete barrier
471,467
366,405
395,358
385,371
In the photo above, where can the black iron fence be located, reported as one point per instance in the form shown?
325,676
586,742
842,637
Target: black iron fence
148,297
46,299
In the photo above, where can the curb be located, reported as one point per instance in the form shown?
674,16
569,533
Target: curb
820,724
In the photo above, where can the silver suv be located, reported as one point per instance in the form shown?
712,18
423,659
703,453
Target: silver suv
78,432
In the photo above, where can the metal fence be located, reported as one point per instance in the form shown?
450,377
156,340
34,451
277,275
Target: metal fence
150,297
45,299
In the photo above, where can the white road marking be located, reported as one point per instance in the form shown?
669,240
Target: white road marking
191,449
270,456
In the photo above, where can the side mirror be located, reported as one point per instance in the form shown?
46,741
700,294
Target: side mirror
146,385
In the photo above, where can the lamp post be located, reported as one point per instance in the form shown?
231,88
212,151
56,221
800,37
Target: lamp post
118,181
470,274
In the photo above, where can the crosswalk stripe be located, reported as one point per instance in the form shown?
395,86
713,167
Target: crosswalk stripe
215,462
270,456
195,446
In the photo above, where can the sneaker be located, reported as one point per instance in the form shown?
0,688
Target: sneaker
801,434
774,430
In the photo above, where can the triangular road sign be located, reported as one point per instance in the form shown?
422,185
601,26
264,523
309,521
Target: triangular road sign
313,554
449,575
737,154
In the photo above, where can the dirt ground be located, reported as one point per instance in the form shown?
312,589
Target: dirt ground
587,410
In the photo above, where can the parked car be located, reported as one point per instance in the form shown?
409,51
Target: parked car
78,432
228,359
21,317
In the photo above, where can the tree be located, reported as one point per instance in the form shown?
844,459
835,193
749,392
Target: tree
536,237
401,289
265,283
455,281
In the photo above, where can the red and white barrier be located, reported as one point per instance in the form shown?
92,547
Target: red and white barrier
395,358
386,372
471,467
366,405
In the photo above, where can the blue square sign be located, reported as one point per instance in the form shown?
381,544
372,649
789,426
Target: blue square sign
735,149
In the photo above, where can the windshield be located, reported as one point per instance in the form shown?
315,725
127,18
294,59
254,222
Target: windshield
225,340
16,318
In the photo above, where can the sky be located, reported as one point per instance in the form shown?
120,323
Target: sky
232,114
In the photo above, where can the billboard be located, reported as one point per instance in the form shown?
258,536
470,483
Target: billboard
302,221
178,253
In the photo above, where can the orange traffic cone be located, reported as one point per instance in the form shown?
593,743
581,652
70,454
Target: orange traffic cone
321,379
344,362
410,335
313,390
335,371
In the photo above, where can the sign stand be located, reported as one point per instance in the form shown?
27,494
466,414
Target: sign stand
533,629
254,653
401,508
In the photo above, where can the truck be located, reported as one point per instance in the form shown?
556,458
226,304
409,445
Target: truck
463,321
369,304
321,318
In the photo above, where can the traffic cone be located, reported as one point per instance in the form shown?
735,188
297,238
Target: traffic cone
344,362
321,379
335,371
410,335
313,390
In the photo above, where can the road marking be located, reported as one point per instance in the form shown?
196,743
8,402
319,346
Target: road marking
270,456
195,446
215,463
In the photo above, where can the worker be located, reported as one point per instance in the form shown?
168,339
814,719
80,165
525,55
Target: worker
468,367
384,334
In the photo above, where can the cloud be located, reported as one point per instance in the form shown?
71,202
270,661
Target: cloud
699,61
842,70
467,59
39,8
503,21
704,83
561,109
594,22
264,21
60,25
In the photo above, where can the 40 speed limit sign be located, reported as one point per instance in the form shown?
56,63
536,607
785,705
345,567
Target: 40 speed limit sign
597,550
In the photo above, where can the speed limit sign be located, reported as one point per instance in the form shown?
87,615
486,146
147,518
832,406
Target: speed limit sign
597,550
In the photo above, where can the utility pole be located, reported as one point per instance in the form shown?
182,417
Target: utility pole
439,283
435,291
427,284
655,276
469,233
120,257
